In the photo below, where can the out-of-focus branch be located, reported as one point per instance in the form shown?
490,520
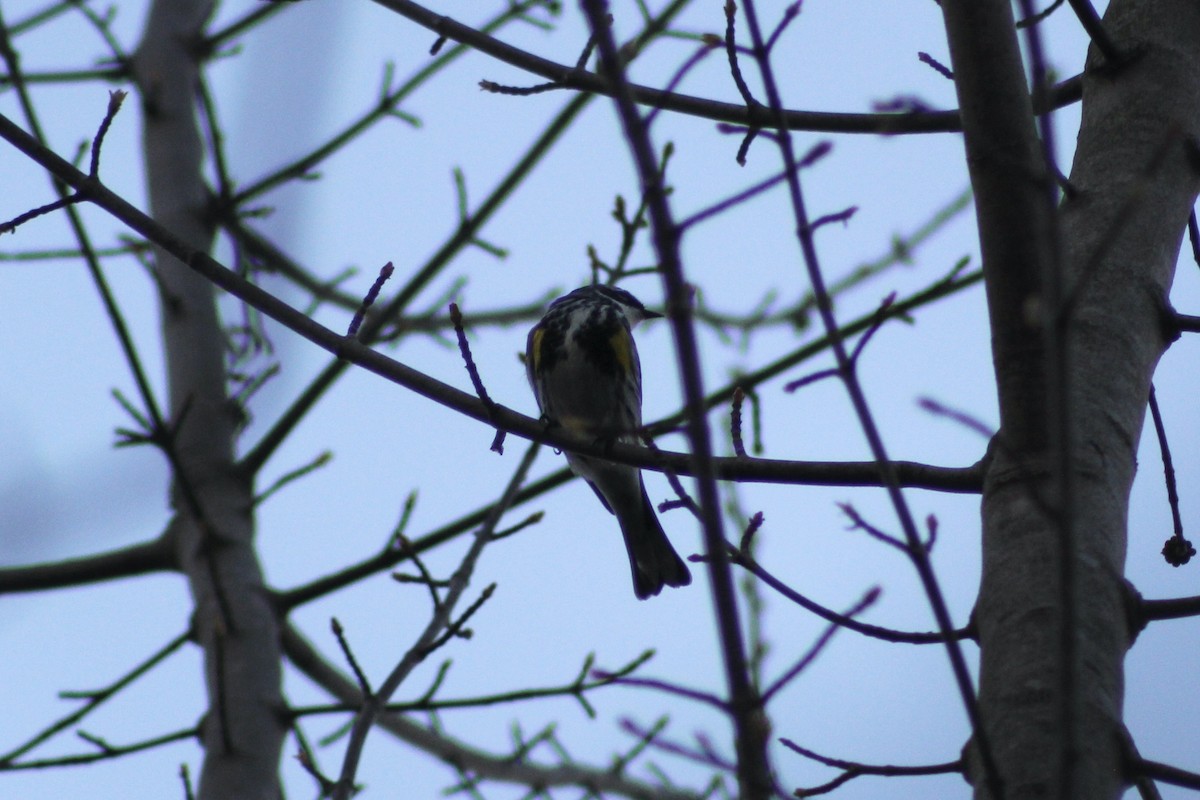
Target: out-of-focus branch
501,768
386,105
854,769
466,233
378,323
92,700
440,629
428,702
1008,175
138,559
921,476
105,751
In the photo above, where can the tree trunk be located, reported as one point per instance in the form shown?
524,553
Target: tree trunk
1073,366
234,623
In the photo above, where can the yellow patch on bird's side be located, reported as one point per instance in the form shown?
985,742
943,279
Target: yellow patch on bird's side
575,424
622,347
536,349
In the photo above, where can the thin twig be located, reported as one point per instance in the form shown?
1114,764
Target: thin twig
735,423
807,659
754,769
1177,550
95,698
441,622
1065,93
385,272
853,769
857,396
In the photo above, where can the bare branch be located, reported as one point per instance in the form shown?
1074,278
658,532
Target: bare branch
852,769
138,559
754,772
470,759
440,628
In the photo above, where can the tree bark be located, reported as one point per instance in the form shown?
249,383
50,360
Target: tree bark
1052,640
234,623
1135,181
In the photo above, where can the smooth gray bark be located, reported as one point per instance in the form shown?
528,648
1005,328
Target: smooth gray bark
234,623
1052,703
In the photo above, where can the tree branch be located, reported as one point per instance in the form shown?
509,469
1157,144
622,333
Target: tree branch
461,755
351,351
138,559
569,77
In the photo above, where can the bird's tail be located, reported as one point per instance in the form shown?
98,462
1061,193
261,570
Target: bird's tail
652,559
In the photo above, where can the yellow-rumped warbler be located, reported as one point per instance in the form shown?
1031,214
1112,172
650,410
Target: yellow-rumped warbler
584,370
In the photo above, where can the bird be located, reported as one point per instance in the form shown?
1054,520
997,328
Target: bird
583,367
